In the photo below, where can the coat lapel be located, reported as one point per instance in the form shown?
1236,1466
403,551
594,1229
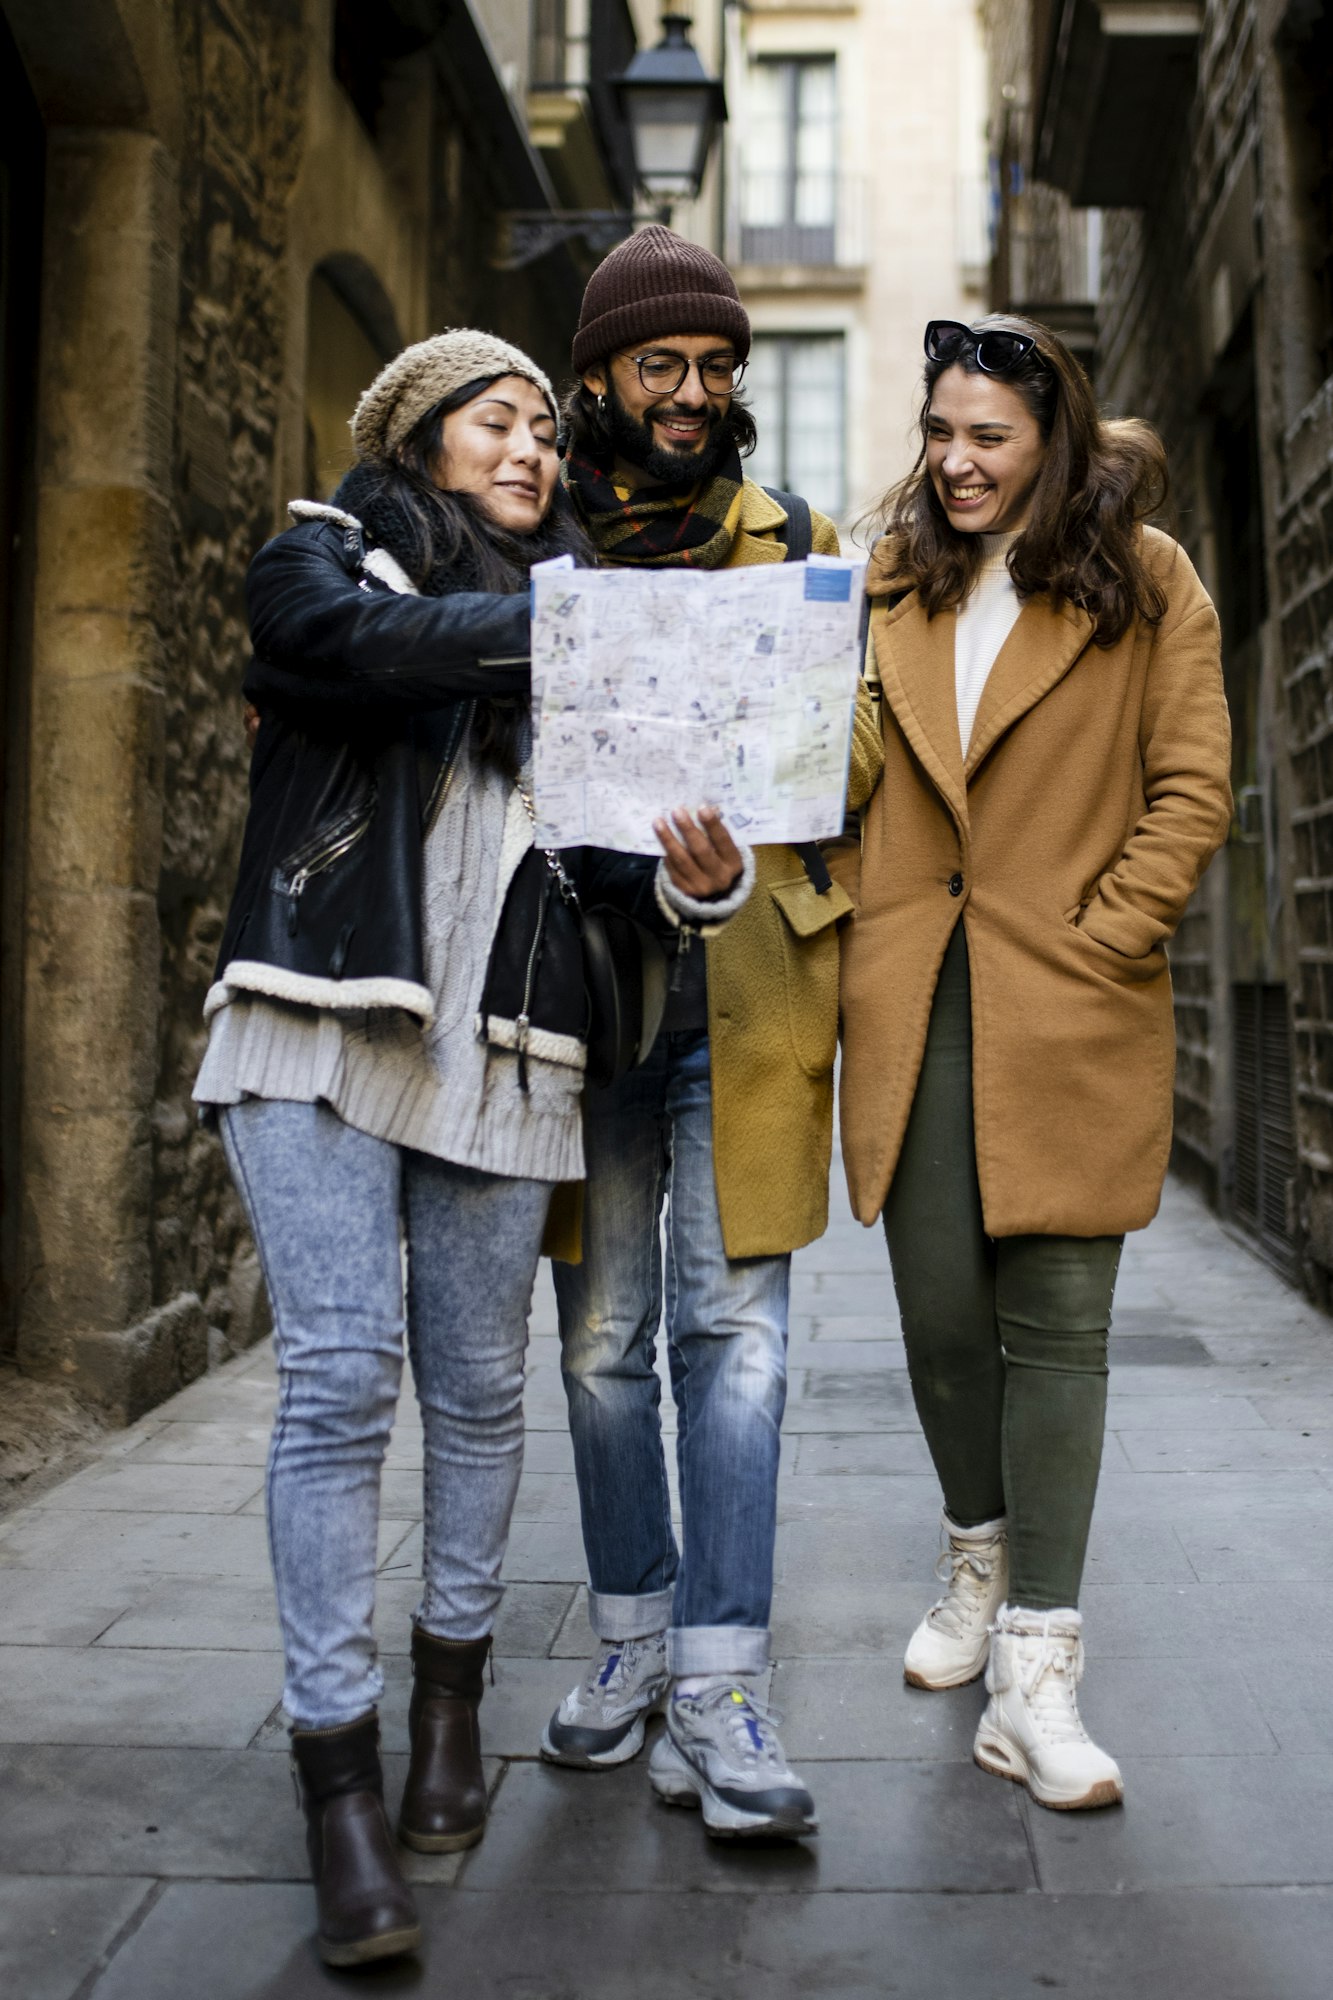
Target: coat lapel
915,659
1042,646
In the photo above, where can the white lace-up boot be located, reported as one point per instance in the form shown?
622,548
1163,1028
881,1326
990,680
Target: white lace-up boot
950,1645
1031,1731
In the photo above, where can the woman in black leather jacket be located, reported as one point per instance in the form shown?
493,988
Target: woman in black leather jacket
396,1054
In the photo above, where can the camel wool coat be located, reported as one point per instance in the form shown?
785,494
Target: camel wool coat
1094,792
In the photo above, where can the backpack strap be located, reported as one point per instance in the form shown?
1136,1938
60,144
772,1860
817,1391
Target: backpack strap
800,527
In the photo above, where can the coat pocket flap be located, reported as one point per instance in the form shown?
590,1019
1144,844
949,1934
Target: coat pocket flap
805,909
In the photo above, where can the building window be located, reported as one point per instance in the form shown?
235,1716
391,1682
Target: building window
795,386
550,45
789,183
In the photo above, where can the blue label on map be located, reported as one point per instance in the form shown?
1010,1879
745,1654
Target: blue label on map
828,586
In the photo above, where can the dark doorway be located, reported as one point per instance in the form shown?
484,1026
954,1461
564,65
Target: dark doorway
1263,1159
22,165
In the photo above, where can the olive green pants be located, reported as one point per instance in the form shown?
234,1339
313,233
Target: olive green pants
1005,1337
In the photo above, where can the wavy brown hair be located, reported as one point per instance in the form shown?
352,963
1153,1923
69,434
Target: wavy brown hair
1100,479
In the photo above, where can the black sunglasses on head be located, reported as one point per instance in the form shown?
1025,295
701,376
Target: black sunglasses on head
996,351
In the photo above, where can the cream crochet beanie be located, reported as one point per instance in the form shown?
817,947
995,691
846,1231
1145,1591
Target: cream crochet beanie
427,372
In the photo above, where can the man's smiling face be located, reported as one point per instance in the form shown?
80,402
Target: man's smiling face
672,436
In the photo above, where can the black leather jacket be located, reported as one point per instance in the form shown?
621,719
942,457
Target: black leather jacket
366,694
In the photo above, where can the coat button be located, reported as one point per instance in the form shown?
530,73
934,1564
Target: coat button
955,885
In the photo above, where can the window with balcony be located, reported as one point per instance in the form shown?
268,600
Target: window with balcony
795,387
789,180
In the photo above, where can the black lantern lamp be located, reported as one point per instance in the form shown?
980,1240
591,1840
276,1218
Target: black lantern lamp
673,108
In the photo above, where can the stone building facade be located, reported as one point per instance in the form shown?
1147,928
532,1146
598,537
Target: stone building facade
219,218
1200,139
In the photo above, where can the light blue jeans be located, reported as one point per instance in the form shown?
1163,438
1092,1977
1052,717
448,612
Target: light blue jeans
648,1137
328,1206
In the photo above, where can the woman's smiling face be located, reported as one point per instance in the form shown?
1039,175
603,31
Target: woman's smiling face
500,447
984,451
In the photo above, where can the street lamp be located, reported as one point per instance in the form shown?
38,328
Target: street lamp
673,108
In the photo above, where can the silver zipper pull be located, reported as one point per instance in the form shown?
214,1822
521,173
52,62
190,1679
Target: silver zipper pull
294,888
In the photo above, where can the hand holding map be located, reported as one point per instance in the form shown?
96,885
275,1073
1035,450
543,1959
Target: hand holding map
653,687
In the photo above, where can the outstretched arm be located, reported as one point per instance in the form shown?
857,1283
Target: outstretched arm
323,633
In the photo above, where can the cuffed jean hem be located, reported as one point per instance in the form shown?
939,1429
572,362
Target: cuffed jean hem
342,1717
717,1649
629,1617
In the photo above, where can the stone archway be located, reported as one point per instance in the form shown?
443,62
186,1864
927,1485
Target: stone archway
351,331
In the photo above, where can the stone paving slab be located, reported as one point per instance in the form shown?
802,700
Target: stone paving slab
55,1929
885,1826
148,1830
1219,1945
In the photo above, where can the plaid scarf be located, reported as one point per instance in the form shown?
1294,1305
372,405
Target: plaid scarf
690,527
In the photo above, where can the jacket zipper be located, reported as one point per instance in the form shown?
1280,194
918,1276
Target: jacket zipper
523,1024
448,765
304,864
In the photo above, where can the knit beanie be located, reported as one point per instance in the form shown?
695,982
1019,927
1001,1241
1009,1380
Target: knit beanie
652,285
424,374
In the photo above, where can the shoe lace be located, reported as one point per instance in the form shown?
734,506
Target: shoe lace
968,1575
749,1723
1049,1682
613,1668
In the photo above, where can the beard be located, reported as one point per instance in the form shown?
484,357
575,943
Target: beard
634,442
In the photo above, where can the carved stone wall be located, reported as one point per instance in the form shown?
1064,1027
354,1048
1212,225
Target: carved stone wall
246,66
204,163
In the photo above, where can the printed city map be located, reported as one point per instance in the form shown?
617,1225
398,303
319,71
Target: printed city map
659,688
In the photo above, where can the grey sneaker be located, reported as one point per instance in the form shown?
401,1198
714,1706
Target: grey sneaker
720,1751
601,1722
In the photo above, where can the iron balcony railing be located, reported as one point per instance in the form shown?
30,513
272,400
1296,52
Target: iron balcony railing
800,218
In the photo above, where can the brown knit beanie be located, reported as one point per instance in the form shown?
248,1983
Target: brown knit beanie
424,374
652,285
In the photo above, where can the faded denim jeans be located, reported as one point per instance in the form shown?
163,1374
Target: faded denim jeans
650,1139
326,1203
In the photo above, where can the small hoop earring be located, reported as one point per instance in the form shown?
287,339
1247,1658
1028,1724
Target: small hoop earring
601,405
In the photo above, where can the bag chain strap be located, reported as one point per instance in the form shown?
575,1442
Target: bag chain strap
553,861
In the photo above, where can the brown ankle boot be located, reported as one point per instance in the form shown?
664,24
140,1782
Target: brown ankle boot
366,1909
444,1803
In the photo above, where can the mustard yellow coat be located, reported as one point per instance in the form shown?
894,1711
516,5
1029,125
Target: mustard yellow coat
772,1005
773,1001
1094,792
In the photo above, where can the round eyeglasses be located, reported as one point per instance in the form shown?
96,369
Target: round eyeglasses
661,372
997,351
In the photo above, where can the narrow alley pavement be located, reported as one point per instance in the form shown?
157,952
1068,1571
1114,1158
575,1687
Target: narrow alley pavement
149,1844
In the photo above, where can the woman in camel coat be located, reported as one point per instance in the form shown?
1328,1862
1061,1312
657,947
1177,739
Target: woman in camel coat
1056,780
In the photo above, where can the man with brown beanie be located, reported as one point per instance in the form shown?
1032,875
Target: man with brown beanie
728,1121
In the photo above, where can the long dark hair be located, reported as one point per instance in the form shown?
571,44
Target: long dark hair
1099,480
447,542
588,428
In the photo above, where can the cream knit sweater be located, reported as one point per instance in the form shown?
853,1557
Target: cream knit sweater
985,619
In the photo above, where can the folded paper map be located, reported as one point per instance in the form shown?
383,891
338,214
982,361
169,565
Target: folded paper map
654,688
